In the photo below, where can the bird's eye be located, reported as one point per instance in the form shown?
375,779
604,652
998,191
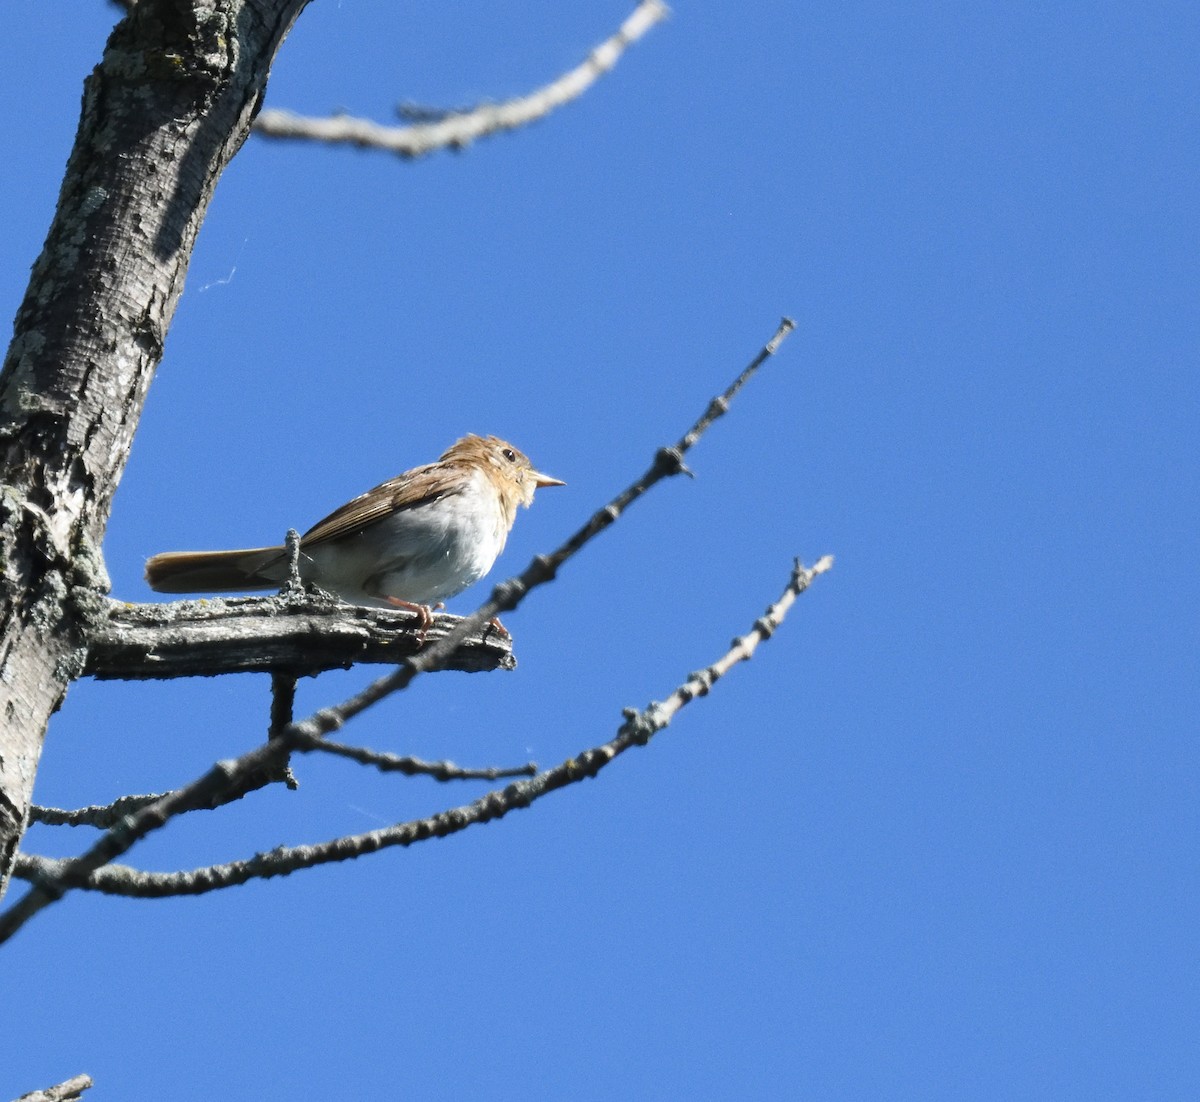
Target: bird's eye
510,455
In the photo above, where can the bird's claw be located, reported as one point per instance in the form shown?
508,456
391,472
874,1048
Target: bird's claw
424,614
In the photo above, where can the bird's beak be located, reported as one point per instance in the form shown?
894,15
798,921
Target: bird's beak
540,479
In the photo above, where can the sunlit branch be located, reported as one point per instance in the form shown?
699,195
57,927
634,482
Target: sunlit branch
94,815
637,730
104,816
68,1091
232,775
456,130
509,594
414,767
292,633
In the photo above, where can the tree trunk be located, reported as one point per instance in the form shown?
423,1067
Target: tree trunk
163,114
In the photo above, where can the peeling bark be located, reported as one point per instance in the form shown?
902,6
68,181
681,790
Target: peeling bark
301,636
163,113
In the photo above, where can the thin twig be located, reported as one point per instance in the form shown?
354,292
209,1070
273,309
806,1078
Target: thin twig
94,815
64,1092
227,776
108,815
283,699
213,787
413,767
637,730
509,594
458,130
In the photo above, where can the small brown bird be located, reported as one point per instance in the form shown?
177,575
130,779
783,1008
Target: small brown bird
416,539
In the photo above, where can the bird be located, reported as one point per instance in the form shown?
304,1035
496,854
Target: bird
417,539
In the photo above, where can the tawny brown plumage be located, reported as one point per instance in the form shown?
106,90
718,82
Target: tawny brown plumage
420,537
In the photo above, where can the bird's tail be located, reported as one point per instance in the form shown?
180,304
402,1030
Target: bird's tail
216,571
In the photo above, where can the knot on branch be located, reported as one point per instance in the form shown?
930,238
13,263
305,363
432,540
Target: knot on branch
669,461
699,683
545,568
508,594
786,325
516,795
639,727
765,627
718,407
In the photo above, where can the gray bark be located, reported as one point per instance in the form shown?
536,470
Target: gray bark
163,113
294,635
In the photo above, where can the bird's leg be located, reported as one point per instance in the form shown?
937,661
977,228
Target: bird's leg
423,611
494,623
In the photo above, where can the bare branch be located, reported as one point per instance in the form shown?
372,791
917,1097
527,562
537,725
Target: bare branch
457,130
297,633
95,815
209,790
72,1089
410,766
162,114
637,730
509,594
226,777
283,701
108,815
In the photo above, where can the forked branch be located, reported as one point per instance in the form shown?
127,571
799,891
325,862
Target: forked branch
53,879
637,730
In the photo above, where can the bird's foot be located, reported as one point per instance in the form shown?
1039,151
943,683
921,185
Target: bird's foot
494,625
424,613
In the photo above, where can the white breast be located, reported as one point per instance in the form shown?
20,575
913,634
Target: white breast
423,554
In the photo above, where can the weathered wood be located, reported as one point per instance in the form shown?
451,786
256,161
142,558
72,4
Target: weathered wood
270,635
163,113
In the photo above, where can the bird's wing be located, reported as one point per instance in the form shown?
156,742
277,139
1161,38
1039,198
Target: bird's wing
405,491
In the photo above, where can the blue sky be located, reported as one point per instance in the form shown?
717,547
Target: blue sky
939,839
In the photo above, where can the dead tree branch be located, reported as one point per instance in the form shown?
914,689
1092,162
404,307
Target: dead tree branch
456,130
637,730
69,1091
104,816
163,113
508,595
94,815
300,634
414,767
230,777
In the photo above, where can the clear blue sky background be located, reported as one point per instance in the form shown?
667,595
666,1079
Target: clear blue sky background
939,840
